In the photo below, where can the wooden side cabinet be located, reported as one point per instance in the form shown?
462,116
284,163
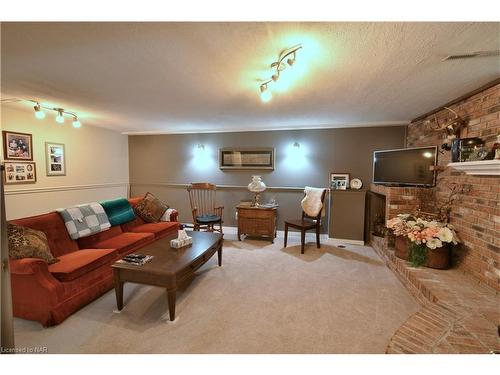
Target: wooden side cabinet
347,216
257,221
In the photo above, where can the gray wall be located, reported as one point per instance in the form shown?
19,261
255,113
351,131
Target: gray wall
158,162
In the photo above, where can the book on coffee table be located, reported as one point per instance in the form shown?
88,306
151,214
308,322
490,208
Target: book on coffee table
138,259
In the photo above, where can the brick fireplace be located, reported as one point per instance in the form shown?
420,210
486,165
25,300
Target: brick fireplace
476,211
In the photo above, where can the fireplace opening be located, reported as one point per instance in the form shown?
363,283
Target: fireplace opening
375,214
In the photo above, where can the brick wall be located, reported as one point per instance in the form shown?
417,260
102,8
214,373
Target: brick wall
398,200
476,215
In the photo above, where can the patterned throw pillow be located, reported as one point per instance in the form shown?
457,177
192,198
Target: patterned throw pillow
150,209
28,243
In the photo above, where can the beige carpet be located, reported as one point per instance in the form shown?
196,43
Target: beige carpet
265,299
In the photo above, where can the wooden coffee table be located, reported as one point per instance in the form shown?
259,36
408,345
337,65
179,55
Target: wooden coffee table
170,268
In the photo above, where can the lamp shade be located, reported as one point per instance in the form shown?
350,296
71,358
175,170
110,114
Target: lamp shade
257,185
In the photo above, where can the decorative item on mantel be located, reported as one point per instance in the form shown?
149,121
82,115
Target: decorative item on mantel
423,242
450,127
496,149
257,186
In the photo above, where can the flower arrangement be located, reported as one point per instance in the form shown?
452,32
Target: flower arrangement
422,234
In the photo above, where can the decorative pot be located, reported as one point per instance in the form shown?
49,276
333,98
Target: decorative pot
401,247
438,258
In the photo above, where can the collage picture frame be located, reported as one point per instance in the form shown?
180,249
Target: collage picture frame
55,156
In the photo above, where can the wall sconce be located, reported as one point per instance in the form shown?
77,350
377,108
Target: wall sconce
279,65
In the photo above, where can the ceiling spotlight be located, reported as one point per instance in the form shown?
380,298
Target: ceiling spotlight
275,77
60,117
265,94
39,114
76,123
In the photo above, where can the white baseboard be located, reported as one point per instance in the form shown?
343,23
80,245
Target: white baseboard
280,233
346,241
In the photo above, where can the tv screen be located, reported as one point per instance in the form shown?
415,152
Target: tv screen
405,167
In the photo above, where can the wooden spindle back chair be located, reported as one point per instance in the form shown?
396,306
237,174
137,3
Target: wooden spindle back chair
202,196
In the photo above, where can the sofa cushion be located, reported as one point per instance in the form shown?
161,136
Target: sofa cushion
90,241
158,229
80,262
150,209
119,211
25,242
126,242
134,200
53,226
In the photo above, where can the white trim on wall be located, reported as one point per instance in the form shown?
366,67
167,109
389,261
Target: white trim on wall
222,187
66,188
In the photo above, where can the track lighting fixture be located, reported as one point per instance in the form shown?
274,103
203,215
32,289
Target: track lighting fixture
279,65
59,117
39,114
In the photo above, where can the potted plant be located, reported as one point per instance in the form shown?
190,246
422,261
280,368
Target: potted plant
400,228
423,242
430,243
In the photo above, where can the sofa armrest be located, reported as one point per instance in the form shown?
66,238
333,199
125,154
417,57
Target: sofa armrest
170,215
174,215
34,273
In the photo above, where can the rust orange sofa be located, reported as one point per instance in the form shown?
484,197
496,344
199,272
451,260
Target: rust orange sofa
50,293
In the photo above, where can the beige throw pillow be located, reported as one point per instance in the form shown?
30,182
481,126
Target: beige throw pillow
28,243
150,209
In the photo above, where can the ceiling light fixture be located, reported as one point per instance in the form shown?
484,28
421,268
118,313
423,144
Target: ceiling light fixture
265,94
279,65
76,122
39,114
59,117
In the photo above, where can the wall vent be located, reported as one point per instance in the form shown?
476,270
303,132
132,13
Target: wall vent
470,55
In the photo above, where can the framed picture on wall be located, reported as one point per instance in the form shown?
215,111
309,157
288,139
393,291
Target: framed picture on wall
246,158
339,181
17,146
55,157
19,172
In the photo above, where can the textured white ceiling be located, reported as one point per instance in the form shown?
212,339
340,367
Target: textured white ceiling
199,77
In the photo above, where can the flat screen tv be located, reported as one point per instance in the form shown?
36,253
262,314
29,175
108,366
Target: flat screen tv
405,167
